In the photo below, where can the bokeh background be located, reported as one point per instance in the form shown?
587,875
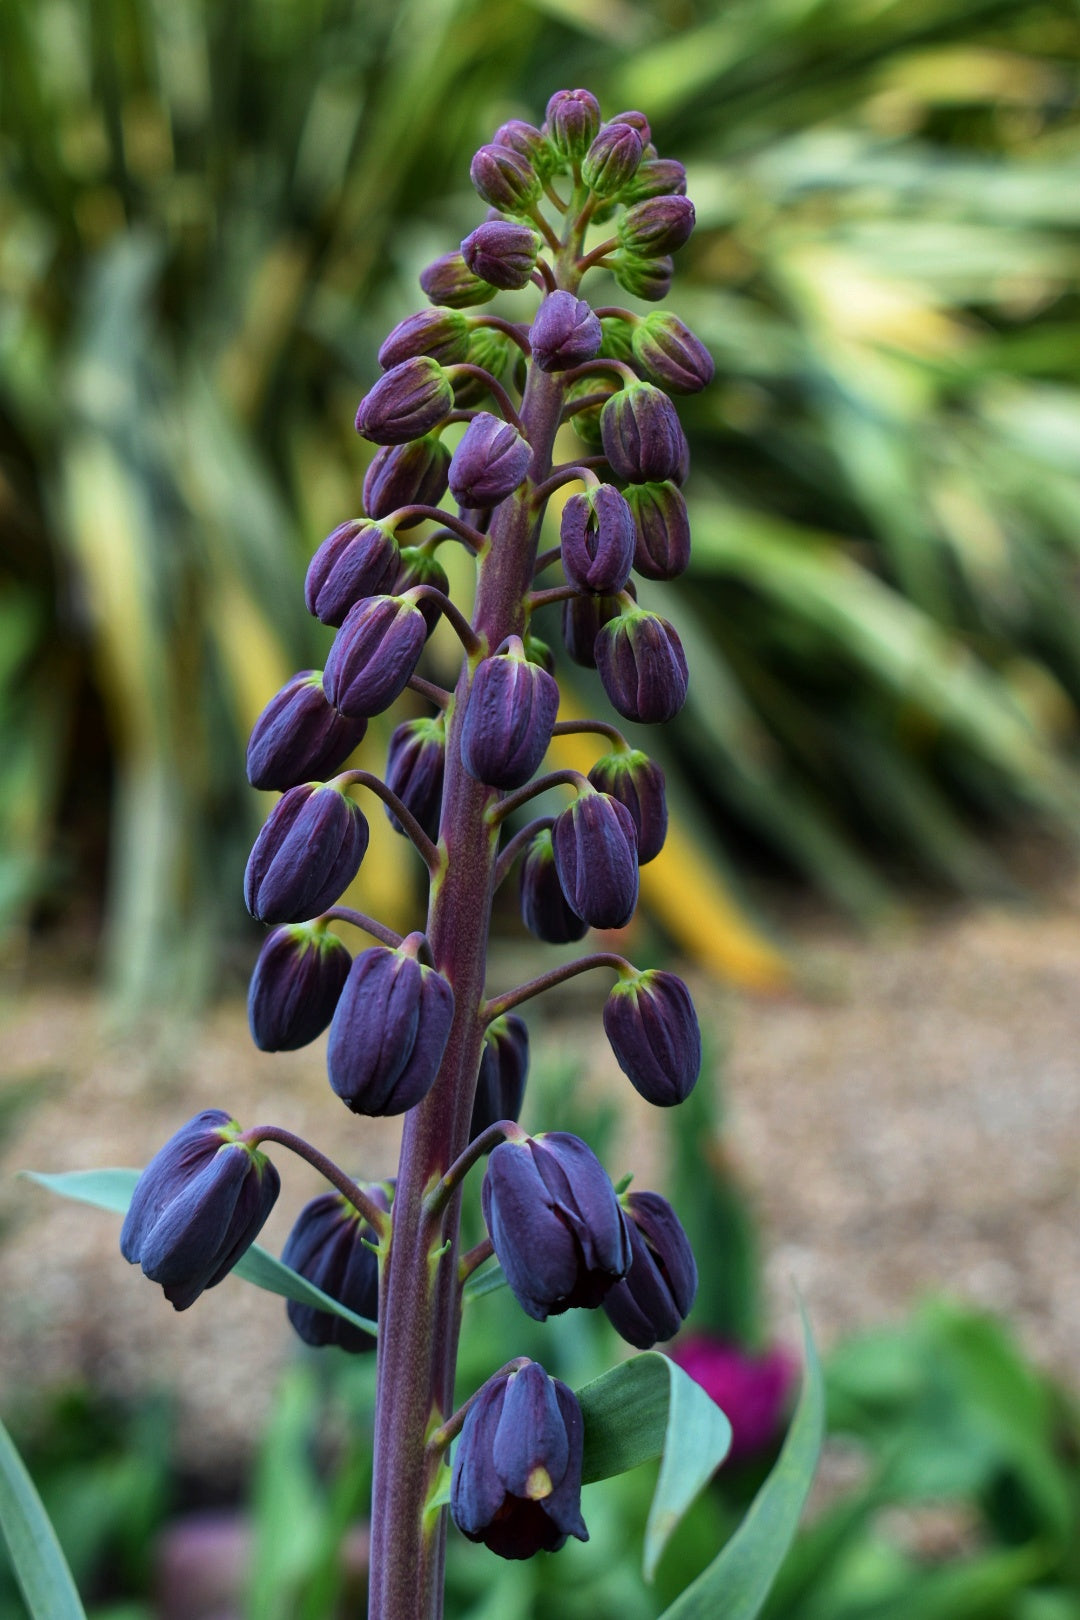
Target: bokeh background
210,214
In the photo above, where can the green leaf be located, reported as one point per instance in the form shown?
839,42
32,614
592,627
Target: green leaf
737,1582
40,1567
648,1407
112,1190
486,1279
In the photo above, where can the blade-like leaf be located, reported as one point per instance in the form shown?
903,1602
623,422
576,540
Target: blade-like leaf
648,1407
112,1190
737,1582
40,1567
486,1279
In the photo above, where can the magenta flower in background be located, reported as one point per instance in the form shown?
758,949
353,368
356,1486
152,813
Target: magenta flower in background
752,1391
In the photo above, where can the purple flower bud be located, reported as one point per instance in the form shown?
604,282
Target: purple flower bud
653,1030
636,120
654,1299
649,279
511,710
582,619
328,1245
555,1223
407,401
656,226
643,667
638,783
389,1032
504,1066
308,852
565,332
528,142
441,334
295,987
643,439
573,119
502,252
358,559
505,178
596,858
489,463
612,159
661,530
300,736
415,763
412,474
450,281
374,655
597,533
516,1479
544,910
420,567
198,1207
670,354
656,177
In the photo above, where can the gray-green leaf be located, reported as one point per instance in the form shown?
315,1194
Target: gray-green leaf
40,1567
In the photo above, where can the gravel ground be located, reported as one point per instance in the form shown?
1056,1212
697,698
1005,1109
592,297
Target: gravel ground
910,1124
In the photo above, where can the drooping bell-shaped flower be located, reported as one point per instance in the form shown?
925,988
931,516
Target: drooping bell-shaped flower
661,530
669,354
642,436
655,1297
359,559
198,1207
555,1223
408,400
441,334
489,463
329,1247
582,619
415,765
413,474
638,783
642,665
544,908
650,1021
595,848
374,655
389,1031
565,332
300,736
504,1067
511,711
516,1478
295,987
597,535
306,855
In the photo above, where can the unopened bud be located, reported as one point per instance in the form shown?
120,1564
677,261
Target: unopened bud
544,910
642,666
528,142
661,530
595,846
360,558
573,119
441,334
656,177
612,159
374,654
506,178
300,736
407,401
332,1247
597,534
450,281
582,619
655,1297
656,226
308,852
504,1066
649,279
415,764
412,474
389,1032
650,1021
670,354
638,783
489,463
502,252
295,986
511,710
643,438
565,332
420,567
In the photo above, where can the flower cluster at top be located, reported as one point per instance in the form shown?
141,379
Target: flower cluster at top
562,1234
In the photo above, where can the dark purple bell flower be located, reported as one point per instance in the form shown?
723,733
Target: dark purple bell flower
642,436
565,332
489,463
597,534
661,530
656,177
450,281
528,142
654,1299
374,654
419,567
642,666
656,226
412,474
328,1246
649,279
504,1067
408,400
300,736
511,710
544,910
582,620
555,1223
516,1478
612,159
198,1207
573,119
638,783
595,845
308,852
360,558
415,764
669,354
295,986
653,1030
502,252
441,334
389,1032
505,177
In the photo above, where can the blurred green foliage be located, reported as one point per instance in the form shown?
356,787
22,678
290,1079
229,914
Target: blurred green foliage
210,213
